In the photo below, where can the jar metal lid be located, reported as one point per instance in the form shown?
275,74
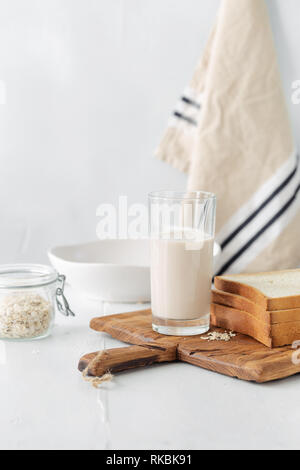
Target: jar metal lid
20,276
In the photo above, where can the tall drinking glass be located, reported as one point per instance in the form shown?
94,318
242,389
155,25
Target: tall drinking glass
182,229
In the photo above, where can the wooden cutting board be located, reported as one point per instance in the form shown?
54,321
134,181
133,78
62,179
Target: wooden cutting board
241,357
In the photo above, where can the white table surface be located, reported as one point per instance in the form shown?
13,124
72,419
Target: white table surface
45,403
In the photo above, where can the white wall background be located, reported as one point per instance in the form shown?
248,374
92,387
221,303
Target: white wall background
90,85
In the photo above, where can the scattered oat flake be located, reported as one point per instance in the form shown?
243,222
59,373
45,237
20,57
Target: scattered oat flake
215,336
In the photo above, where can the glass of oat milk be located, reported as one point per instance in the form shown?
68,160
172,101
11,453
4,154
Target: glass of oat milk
182,229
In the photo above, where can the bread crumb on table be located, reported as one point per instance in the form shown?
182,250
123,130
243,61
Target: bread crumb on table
216,336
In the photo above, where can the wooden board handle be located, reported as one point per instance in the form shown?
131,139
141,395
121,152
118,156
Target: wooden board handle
120,359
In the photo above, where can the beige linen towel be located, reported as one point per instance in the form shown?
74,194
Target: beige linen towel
231,133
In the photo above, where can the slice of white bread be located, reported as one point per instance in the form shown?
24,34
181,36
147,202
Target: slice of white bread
278,290
273,336
242,303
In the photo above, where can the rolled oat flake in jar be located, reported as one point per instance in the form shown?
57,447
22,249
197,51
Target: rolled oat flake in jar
29,296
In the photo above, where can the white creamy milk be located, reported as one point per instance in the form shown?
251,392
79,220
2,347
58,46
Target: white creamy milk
181,276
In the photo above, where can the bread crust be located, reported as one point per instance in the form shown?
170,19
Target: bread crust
277,335
241,322
242,303
255,295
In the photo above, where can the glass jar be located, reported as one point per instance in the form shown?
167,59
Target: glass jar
29,296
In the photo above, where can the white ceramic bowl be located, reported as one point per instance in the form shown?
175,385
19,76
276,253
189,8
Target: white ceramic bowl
108,270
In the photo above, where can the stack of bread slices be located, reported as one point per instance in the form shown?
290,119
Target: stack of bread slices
265,306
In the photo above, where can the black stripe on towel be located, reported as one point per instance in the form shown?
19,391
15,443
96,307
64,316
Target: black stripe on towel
261,207
185,118
227,265
191,102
